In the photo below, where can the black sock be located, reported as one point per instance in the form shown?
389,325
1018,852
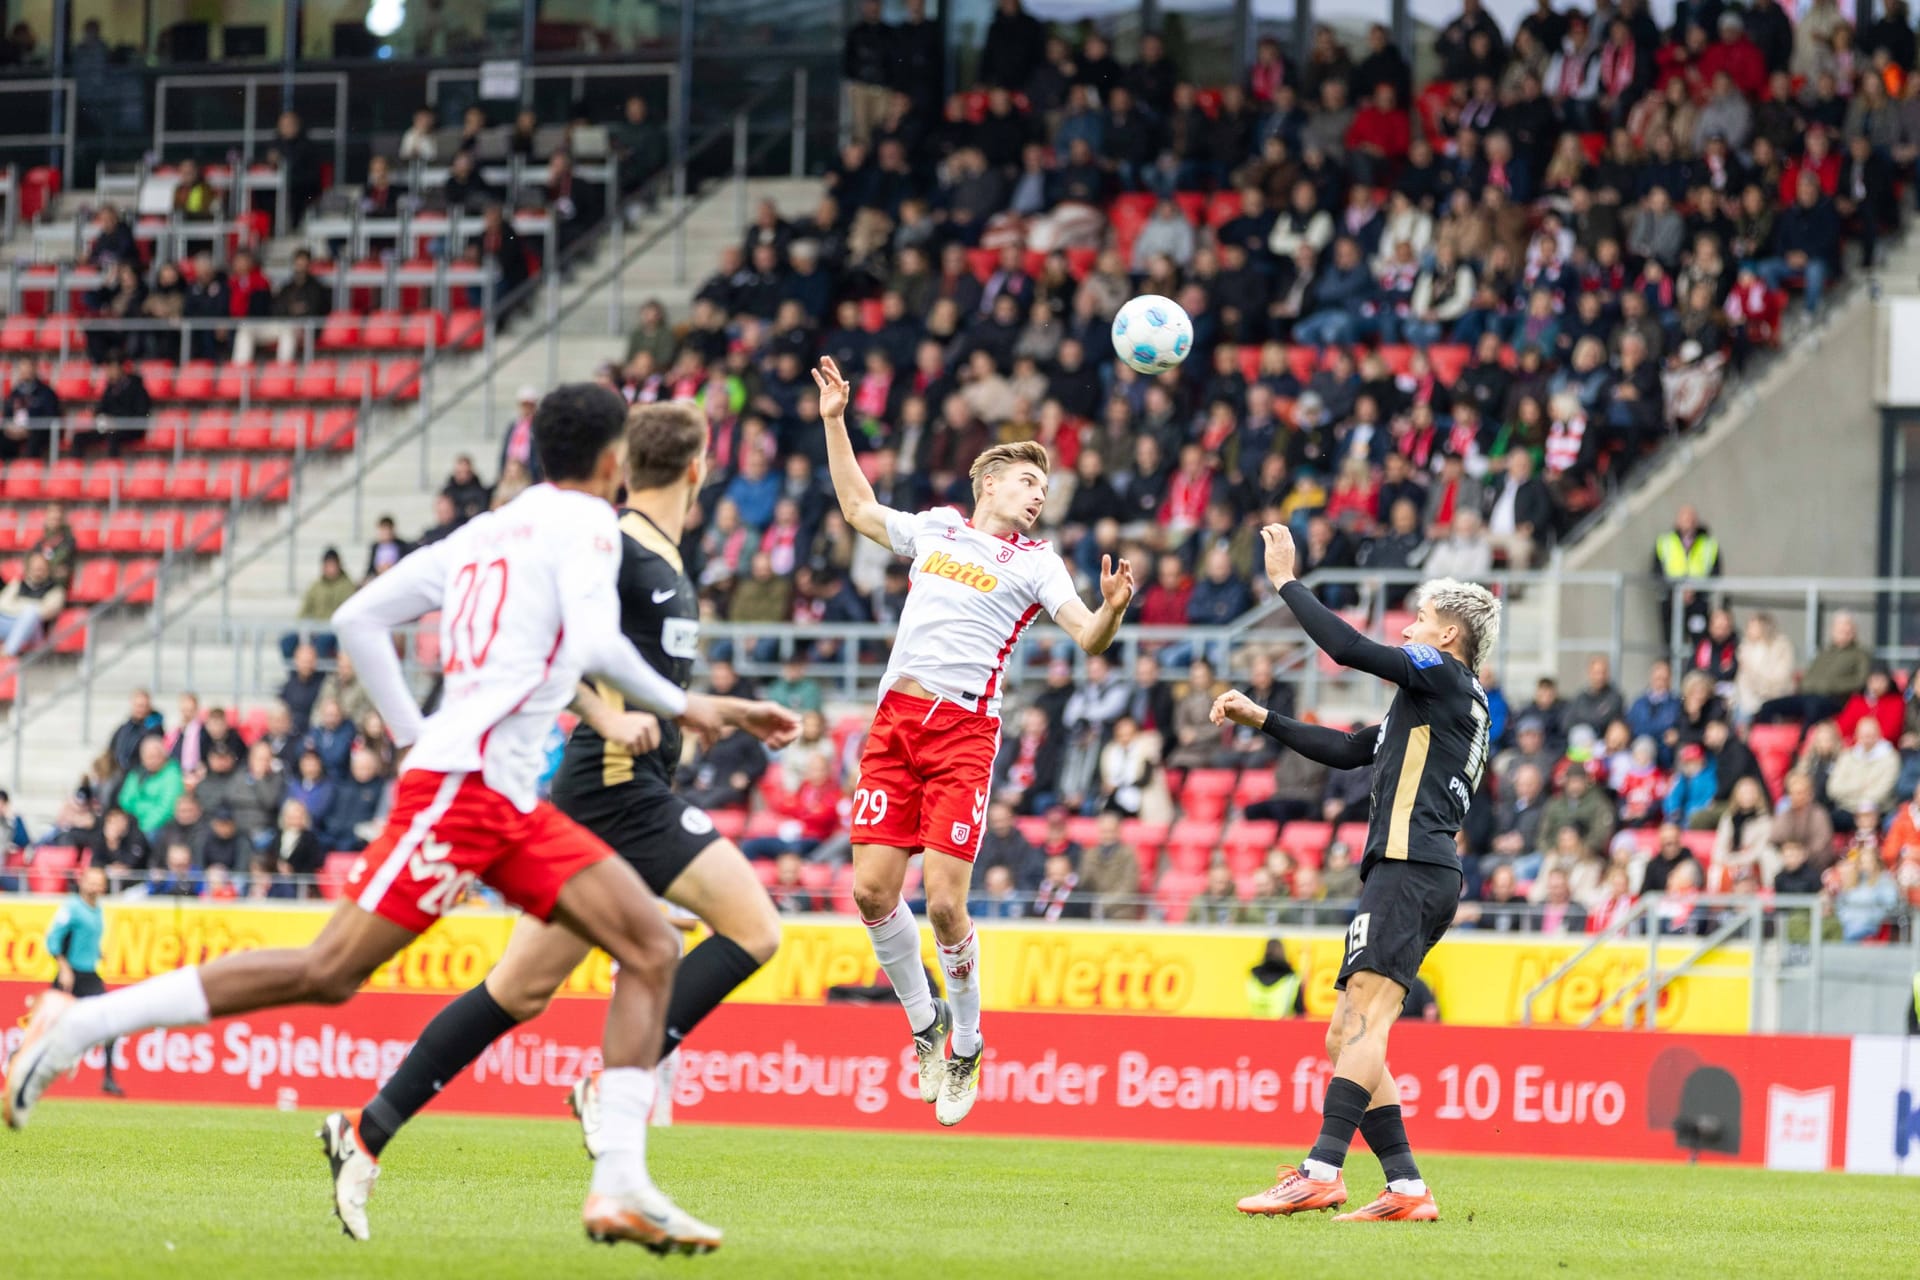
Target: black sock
1386,1133
1346,1107
457,1035
706,977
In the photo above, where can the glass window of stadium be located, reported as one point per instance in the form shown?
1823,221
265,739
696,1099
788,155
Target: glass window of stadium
403,29
766,24
192,31
607,26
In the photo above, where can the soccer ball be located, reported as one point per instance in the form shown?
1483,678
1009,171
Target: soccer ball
1152,334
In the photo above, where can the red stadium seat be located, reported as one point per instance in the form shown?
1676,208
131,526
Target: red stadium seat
277,382
187,482
341,332
11,538
1081,261
1307,841
232,382
1192,204
1773,746
730,823
85,523
121,532
165,531
69,634
146,481
167,427
334,429
64,480
19,334
1188,859
1034,829
1223,208
211,432
195,381
60,335
982,263
227,478
1084,832
22,479
205,533
272,480
1189,835
253,432
467,328
139,578
1303,362
1448,362
1204,794
424,329
52,869
399,378
381,331
95,580
160,379
356,378
1259,837
1252,787
316,381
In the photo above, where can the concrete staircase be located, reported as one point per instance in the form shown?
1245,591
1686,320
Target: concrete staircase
65,719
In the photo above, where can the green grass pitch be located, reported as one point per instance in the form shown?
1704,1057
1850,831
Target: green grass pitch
131,1191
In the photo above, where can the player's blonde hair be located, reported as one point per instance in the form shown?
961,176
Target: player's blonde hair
1470,607
997,459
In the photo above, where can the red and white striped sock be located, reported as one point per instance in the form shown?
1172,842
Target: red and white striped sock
896,943
962,965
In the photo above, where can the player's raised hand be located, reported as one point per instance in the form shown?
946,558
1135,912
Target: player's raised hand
1238,707
636,731
1116,582
1279,540
834,391
770,722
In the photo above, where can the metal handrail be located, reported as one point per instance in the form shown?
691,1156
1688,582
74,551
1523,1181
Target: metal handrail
1656,980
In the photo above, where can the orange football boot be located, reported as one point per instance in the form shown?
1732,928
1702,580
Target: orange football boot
1295,1192
1391,1206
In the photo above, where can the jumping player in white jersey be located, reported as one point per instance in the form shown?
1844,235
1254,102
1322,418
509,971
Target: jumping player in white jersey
928,762
528,605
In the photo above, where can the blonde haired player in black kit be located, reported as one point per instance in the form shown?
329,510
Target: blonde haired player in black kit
1427,757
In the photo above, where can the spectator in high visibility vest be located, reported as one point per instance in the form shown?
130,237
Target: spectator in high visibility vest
1687,550
1274,990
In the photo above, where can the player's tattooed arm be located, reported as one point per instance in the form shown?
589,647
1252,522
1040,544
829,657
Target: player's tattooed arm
857,501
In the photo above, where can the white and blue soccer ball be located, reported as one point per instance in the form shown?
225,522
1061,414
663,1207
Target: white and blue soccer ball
1152,334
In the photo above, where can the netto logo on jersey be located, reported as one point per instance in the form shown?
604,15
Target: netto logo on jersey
964,572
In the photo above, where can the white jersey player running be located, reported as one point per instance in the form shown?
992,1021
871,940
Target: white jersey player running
928,762
528,604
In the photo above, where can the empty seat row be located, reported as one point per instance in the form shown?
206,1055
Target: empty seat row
144,480
204,381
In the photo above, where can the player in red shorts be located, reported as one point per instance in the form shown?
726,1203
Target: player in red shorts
928,763
528,604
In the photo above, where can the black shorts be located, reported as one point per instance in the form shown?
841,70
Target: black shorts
655,831
87,984
1405,907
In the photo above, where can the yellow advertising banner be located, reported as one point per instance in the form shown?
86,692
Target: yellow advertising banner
1478,981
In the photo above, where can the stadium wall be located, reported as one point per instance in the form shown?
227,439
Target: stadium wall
1798,1103
1788,481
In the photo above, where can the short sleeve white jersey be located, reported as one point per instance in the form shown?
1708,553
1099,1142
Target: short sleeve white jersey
972,596
524,593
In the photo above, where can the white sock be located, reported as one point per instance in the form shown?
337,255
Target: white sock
626,1105
1408,1186
175,999
962,965
896,942
1319,1170
663,1098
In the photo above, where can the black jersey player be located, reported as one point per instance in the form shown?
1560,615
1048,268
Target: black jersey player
1427,757
615,779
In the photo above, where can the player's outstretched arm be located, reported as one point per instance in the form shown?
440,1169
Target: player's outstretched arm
1323,626
1316,742
364,626
857,503
1094,629
770,722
